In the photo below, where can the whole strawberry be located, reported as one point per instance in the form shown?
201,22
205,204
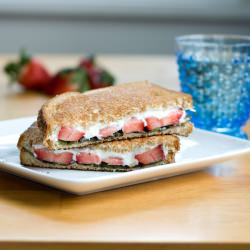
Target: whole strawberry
70,79
28,71
97,76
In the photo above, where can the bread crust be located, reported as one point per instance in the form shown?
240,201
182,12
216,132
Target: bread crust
29,137
105,106
28,159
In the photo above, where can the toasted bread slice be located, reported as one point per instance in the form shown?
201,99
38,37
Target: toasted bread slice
104,107
32,138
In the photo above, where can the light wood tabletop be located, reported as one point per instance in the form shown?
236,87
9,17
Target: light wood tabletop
209,209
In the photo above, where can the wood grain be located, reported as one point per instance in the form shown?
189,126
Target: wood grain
207,209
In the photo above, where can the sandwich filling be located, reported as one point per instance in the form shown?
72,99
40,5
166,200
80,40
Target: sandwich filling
143,122
140,156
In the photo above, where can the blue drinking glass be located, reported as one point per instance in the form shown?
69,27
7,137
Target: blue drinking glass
215,70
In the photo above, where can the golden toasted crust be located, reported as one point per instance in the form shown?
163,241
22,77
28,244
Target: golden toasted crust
29,137
28,159
105,105
33,136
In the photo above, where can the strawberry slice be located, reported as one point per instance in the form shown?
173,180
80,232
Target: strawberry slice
70,134
133,125
88,158
113,161
151,156
108,131
48,155
172,118
153,122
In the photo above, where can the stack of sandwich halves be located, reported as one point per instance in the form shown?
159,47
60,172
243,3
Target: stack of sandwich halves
120,128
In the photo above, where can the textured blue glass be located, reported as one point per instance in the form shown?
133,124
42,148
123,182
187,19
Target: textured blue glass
216,72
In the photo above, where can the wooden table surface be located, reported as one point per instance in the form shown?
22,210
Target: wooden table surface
208,209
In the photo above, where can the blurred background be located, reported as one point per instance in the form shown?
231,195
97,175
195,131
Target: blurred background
109,26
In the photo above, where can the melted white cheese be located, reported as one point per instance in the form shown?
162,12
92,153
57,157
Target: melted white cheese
93,131
128,157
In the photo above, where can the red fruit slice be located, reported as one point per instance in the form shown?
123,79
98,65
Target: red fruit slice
153,122
70,134
108,131
133,125
48,155
88,158
151,156
172,118
113,161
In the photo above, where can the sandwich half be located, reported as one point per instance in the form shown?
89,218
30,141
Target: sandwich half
123,155
120,112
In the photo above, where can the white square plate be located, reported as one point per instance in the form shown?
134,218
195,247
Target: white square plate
198,151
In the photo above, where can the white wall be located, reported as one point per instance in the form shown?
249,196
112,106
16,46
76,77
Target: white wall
109,26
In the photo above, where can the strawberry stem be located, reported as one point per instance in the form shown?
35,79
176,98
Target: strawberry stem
80,77
107,78
13,69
